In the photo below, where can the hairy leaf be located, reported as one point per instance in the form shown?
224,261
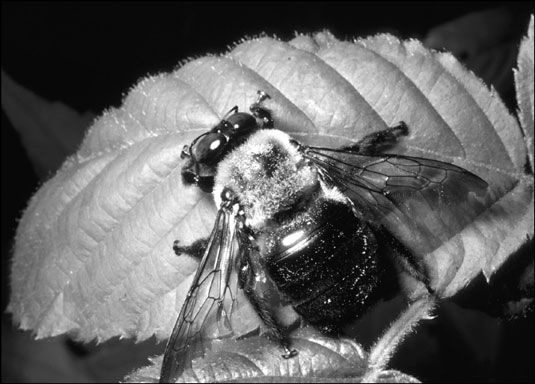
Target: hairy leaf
524,89
320,359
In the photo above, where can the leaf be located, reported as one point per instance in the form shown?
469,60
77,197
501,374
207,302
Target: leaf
93,252
524,89
320,359
49,131
486,42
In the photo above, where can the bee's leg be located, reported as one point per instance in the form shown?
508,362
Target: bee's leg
260,112
377,142
405,259
255,286
195,249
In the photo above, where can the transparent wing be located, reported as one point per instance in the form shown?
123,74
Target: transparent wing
206,312
423,202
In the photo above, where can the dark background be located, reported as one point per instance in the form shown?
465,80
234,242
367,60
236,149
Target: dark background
88,55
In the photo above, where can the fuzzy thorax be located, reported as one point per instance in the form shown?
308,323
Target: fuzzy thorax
267,173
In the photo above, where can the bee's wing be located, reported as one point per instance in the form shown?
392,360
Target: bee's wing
209,295
423,202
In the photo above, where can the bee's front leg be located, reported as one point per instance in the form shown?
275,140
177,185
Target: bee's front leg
377,142
195,249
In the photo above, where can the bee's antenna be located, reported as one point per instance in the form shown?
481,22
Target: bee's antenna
186,152
260,112
261,97
232,110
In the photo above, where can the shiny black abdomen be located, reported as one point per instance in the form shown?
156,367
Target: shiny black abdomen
325,262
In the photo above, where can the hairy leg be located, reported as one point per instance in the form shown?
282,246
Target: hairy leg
377,142
195,249
257,293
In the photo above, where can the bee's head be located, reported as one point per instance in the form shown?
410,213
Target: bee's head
208,149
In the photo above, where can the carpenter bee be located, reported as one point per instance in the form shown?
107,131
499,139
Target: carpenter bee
311,226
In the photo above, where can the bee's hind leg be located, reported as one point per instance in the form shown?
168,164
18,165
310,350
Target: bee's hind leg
377,142
195,249
260,294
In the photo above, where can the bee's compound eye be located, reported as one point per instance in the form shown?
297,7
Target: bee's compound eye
210,148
